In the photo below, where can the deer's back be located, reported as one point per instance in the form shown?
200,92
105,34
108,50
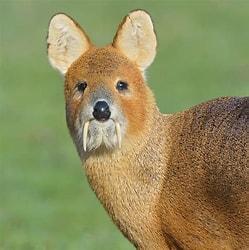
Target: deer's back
205,200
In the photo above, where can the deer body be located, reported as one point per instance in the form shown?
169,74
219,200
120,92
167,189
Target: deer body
176,181
151,205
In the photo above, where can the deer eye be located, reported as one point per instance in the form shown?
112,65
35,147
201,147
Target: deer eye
81,86
121,86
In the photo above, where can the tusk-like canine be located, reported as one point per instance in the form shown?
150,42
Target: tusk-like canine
85,131
118,131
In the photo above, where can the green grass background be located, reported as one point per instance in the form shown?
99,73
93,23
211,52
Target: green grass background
45,201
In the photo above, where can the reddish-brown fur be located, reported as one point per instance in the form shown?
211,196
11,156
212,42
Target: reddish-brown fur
105,65
179,181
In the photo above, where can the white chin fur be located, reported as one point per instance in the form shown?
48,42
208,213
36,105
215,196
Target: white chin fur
96,134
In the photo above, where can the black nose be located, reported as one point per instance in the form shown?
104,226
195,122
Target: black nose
101,111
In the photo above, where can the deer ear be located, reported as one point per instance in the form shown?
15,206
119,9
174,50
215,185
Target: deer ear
136,38
66,42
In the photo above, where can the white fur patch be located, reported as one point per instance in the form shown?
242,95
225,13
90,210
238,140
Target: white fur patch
66,42
136,39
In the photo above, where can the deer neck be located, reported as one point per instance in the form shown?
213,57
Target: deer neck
128,181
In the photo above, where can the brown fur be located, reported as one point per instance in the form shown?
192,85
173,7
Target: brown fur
187,186
106,65
179,181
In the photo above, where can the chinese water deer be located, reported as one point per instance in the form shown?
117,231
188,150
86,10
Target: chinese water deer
177,181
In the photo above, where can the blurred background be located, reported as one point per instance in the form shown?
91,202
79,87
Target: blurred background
45,200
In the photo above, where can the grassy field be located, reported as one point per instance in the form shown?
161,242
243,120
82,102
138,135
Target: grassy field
45,201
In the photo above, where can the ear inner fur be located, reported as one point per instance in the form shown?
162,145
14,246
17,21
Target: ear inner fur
66,41
136,38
